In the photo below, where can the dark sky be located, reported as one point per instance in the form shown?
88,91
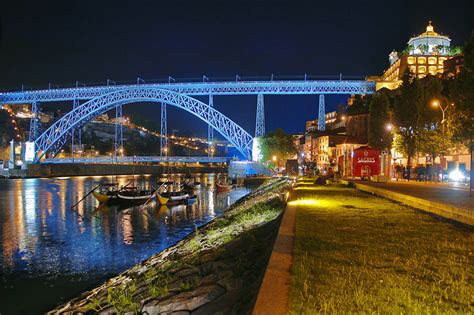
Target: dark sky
90,41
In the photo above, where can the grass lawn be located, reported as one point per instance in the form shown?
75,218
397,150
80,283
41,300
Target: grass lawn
358,253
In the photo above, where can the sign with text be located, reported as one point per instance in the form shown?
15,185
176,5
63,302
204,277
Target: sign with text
365,162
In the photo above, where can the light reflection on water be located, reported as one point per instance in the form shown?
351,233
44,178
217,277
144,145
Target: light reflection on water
42,239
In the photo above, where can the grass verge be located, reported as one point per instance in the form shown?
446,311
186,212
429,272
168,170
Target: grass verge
357,253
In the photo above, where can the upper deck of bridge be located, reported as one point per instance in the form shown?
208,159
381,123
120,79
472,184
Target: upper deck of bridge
289,87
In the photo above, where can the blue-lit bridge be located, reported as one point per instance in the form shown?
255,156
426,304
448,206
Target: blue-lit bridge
100,99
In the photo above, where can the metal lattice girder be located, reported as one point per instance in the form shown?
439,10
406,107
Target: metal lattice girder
118,135
199,88
321,114
260,119
164,131
75,104
35,121
95,107
210,131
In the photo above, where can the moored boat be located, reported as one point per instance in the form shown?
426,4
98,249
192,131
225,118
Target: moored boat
223,187
106,193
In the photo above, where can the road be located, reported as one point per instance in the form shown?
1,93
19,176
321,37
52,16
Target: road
456,194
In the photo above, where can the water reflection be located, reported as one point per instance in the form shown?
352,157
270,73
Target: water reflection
42,237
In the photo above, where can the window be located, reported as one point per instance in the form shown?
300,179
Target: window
421,69
411,60
432,60
433,70
421,60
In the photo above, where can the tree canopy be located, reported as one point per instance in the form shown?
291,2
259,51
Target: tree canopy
278,144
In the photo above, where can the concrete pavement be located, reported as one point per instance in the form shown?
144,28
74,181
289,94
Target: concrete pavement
446,200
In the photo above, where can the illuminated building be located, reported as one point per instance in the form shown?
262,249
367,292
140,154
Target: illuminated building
425,54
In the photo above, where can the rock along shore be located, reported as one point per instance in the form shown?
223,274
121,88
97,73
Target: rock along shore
216,269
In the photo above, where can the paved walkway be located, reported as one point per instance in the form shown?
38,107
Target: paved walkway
273,295
455,194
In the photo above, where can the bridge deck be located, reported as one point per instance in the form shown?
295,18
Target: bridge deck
199,88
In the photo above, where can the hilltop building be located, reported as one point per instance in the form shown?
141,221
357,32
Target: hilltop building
425,54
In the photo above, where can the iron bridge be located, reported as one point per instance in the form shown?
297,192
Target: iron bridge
97,100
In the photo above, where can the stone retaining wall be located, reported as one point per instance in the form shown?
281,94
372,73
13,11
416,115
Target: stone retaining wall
216,269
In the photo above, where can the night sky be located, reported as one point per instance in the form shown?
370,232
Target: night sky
64,41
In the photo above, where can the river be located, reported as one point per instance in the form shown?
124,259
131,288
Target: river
49,252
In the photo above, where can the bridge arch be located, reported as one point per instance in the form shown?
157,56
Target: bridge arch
58,133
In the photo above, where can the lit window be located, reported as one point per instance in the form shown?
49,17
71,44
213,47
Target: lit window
432,60
441,60
421,60
413,69
411,60
422,69
433,70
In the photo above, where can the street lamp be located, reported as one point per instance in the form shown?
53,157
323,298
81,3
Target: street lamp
437,104
389,127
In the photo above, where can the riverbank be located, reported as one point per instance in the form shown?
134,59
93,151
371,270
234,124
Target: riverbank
98,169
217,267
356,252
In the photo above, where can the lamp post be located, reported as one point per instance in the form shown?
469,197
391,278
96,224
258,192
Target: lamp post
437,104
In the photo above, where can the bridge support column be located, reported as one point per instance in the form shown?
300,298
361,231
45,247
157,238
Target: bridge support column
321,114
210,130
164,132
75,103
260,119
35,121
118,139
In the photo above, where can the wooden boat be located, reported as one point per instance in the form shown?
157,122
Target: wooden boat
106,193
223,187
134,195
172,197
161,199
239,182
191,200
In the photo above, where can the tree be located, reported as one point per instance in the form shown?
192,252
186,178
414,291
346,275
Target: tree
461,91
378,135
406,118
278,144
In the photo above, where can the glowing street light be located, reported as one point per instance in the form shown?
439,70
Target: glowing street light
274,158
389,127
437,104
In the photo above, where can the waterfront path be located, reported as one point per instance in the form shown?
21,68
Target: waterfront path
455,194
449,200
355,252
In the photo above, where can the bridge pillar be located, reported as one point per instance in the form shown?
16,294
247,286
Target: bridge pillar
35,121
260,119
118,138
75,103
163,132
321,114
210,130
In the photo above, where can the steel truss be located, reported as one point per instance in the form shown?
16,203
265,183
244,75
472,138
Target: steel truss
210,131
56,135
321,114
35,121
118,134
164,131
260,119
198,88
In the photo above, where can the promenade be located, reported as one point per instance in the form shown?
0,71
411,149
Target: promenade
342,250
454,194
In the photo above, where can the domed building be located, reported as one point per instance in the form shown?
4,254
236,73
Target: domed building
425,54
